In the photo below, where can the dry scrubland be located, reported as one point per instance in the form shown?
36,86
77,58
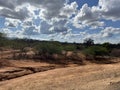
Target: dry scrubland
40,65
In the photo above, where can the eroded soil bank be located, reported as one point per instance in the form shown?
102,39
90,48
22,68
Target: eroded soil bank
87,77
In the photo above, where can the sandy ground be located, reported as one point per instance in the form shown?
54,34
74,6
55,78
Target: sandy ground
88,77
13,64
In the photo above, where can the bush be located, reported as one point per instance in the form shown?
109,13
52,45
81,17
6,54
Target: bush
48,48
94,51
108,46
69,48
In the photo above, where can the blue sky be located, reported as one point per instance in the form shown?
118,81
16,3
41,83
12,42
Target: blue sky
82,2
61,20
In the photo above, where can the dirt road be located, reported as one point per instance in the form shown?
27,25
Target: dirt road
88,77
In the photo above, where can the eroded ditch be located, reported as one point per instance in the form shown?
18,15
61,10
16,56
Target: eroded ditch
22,71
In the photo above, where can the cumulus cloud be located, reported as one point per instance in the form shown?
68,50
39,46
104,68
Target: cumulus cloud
87,16
12,22
68,10
110,9
34,17
49,9
59,26
110,31
8,3
53,14
57,23
57,18
92,16
106,34
19,13
49,12
31,30
45,28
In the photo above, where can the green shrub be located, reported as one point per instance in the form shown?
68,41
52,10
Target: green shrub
107,45
96,51
69,48
48,48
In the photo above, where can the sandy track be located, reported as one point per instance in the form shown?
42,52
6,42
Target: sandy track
88,77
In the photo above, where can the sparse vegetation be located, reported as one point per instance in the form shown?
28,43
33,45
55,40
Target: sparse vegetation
51,50
51,53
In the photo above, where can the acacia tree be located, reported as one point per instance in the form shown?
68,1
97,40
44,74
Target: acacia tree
88,42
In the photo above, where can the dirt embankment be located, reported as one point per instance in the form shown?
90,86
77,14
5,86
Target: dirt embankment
11,69
88,77
19,72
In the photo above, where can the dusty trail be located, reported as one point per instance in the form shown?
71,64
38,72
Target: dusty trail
88,77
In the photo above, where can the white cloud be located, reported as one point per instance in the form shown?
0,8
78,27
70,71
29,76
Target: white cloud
68,10
110,9
57,23
51,14
45,28
12,22
49,9
19,13
107,32
8,3
87,16
91,16
31,30
110,31
55,17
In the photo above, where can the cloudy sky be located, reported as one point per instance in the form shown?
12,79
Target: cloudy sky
61,20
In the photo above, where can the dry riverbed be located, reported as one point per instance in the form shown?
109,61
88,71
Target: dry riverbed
86,77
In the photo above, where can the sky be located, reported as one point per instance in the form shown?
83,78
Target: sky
61,20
